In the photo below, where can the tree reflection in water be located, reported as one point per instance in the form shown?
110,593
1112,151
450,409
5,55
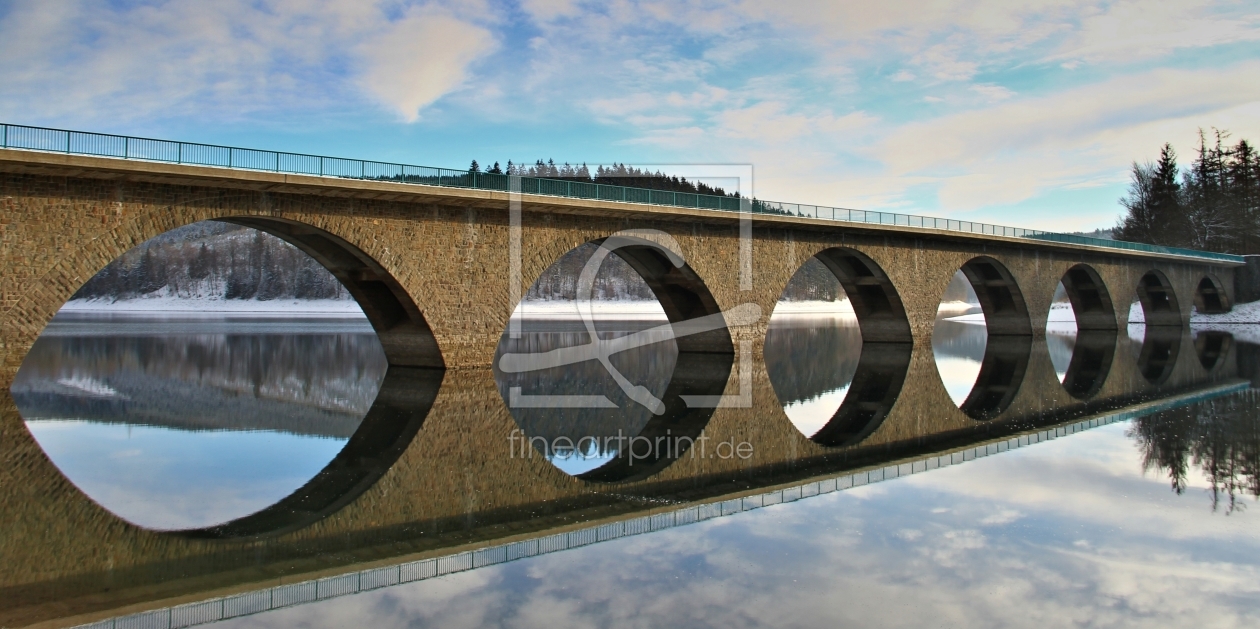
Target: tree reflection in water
811,358
188,422
813,346
1220,437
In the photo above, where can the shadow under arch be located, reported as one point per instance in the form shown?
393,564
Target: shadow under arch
887,346
1009,343
1212,347
1091,302
1157,359
407,392
1097,332
1159,301
1092,358
701,370
1210,296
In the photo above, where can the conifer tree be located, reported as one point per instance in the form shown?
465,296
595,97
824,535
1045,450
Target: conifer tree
1242,183
1153,202
199,266
1203,194
152,273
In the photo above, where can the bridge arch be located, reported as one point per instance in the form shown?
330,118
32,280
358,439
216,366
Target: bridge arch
1159,300
406,392
1212,348
886,341
1095,334
405,397
705,352
1210,296
1009,338
1091,301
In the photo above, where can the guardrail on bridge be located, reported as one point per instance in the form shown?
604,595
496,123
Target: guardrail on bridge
148,149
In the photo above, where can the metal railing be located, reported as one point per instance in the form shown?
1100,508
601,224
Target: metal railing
147,149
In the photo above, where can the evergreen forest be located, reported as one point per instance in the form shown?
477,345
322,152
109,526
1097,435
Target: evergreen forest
1211,205
614,175
214,260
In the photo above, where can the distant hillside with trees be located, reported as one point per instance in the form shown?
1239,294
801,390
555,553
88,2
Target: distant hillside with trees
614,175
618,175
1213,205
213,260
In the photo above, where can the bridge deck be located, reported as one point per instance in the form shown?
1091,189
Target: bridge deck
62,164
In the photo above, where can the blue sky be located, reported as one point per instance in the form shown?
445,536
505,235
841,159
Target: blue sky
1020,113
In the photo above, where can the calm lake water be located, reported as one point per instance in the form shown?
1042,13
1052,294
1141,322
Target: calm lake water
186,423
1066,533
182,423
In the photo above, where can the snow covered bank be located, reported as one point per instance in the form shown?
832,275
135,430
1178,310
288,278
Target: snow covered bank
1248,313
210,306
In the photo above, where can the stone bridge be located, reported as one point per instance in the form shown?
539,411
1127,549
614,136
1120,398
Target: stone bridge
432,269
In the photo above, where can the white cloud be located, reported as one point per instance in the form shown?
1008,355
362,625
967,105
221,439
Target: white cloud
992,92
1013,150
226,59
1130,30
420,58
547,10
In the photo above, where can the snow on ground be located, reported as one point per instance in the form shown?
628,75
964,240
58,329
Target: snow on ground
217,307
1061,311
958,307
1242,313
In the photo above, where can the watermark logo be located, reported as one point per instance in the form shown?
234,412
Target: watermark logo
601,349
635,448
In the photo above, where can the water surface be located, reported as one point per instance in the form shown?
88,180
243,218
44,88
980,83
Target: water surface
1093,529
189,422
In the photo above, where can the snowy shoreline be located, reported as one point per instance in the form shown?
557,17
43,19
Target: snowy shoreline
1242,314
164,305
1060,312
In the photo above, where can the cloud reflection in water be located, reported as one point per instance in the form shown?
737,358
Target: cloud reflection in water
1062,533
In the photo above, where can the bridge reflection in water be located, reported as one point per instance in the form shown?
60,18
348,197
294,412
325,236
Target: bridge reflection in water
417,478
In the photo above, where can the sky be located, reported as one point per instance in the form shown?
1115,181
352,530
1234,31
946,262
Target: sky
1018,113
